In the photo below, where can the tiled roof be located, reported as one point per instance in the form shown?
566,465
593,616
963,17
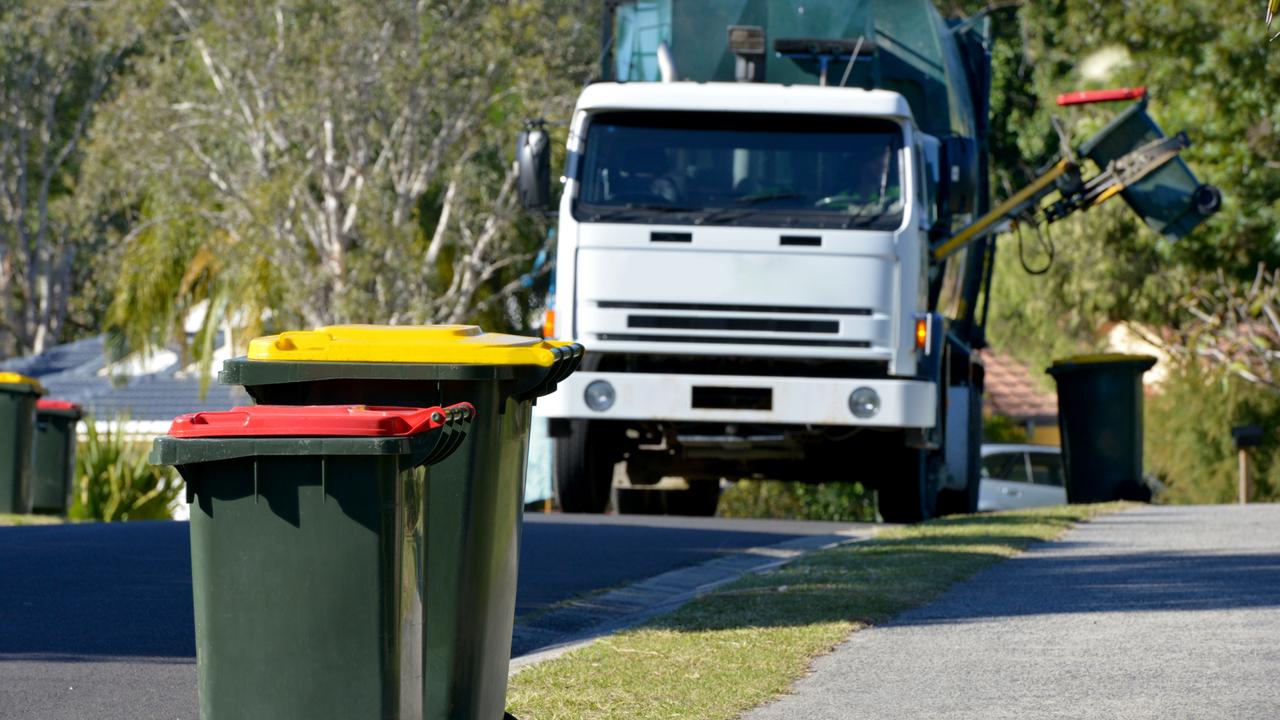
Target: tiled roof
1011,390
73,372
86,356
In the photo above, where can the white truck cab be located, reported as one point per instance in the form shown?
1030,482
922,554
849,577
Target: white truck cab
747,265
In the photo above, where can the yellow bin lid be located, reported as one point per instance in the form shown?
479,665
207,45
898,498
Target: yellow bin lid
435,344
13,378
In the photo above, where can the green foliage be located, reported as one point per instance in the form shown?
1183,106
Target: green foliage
1208,72
848,502
114,481
1188,437
1001,429
304,163
57,61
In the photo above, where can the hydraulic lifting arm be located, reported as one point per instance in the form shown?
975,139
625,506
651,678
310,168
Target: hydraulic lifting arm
1132,150
1077,194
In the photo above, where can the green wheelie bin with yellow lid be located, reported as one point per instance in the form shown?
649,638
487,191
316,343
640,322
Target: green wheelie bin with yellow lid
18,396
475,502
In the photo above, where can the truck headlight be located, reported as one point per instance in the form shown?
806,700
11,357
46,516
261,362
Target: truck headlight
599,395
864,403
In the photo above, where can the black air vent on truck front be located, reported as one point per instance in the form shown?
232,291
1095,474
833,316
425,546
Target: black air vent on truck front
680,237
685,322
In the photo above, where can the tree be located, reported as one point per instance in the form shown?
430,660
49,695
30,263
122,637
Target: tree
303,163
56,61
1205,73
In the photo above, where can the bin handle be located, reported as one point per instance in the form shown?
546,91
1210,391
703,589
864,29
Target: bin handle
454,424
567,359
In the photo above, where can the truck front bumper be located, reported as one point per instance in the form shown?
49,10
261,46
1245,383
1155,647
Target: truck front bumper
767,400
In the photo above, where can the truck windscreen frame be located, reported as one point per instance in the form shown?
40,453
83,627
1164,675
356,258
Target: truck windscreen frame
730,168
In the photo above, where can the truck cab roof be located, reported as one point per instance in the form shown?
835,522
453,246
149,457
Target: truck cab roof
744,97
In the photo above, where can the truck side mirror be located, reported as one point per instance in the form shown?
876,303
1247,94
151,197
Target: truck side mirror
533,166
959,173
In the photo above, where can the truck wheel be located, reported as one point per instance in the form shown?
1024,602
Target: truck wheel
961,502
582,467
911,494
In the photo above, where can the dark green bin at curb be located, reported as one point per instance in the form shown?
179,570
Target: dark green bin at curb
18,396
54,456
1100,417
475,502
306,530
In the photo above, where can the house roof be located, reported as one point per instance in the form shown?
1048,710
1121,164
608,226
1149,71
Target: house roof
1013,392
79,372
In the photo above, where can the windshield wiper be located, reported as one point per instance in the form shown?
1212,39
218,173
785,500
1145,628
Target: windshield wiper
766,197
616,211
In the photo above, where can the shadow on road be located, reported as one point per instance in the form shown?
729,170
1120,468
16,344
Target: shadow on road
1139,582
878,580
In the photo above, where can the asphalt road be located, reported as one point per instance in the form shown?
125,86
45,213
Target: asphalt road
96,620
1160,612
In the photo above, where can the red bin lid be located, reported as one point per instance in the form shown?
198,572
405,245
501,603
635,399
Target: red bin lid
313,421
56,405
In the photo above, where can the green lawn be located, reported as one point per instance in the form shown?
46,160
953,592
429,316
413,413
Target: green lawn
744,644
10,519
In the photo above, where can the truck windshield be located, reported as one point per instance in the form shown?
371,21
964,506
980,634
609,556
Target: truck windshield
770,169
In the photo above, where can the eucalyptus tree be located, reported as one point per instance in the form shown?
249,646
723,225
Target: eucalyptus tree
303,162
57,59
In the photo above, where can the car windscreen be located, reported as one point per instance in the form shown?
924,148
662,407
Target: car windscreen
768,169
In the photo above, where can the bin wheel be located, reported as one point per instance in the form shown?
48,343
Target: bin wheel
909,494
583,467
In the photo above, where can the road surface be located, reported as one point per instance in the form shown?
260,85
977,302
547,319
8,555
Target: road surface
96,619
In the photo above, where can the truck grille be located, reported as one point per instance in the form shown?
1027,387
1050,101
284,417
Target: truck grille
733,340
687,322
706,307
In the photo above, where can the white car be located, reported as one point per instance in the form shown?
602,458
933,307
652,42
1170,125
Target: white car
1021,476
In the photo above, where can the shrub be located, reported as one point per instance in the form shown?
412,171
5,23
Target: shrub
848,502
1001,429
114,481
1188,442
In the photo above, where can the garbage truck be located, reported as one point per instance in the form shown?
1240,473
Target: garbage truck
775,238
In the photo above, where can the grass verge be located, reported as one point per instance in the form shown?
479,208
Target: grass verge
11,519
743,645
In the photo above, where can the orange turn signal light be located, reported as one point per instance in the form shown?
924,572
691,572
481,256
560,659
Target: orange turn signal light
549,324
922,333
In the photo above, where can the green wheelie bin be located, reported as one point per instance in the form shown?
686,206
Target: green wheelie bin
1100,417
306,523
18,396
54,456
475,505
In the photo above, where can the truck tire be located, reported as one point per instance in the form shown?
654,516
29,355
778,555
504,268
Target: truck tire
582,467
910,495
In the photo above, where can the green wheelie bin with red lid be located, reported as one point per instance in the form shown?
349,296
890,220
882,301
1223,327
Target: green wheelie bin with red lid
54,456
306,532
